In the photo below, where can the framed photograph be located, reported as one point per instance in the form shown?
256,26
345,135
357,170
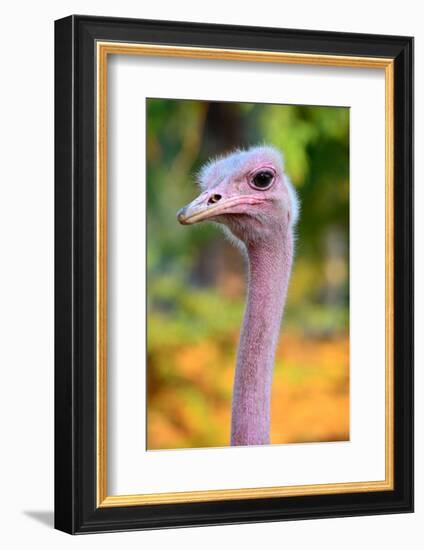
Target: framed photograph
234,274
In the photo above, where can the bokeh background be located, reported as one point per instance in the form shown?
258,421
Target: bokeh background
196,284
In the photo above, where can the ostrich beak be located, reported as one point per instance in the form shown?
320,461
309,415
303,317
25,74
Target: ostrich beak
197,210
209,205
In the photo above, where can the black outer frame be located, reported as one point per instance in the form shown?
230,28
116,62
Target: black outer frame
75,275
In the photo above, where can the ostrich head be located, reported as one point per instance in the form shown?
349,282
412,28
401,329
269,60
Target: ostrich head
248,192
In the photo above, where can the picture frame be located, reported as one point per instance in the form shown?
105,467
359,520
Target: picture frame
83,45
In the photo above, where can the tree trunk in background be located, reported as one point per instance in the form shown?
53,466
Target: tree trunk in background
223,132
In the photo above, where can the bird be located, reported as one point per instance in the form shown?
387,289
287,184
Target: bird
248,193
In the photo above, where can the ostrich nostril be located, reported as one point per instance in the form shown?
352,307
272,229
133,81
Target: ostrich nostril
214,198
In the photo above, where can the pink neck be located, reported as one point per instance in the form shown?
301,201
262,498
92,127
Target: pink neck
269,272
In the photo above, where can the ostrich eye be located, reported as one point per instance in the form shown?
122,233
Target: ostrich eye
263,179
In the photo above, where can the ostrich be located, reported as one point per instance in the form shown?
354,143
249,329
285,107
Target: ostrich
250,195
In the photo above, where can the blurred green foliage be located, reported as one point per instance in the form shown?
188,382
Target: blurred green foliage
196,280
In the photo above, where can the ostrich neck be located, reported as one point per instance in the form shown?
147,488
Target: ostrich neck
269,272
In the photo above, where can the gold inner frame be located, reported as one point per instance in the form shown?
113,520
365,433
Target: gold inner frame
103,50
